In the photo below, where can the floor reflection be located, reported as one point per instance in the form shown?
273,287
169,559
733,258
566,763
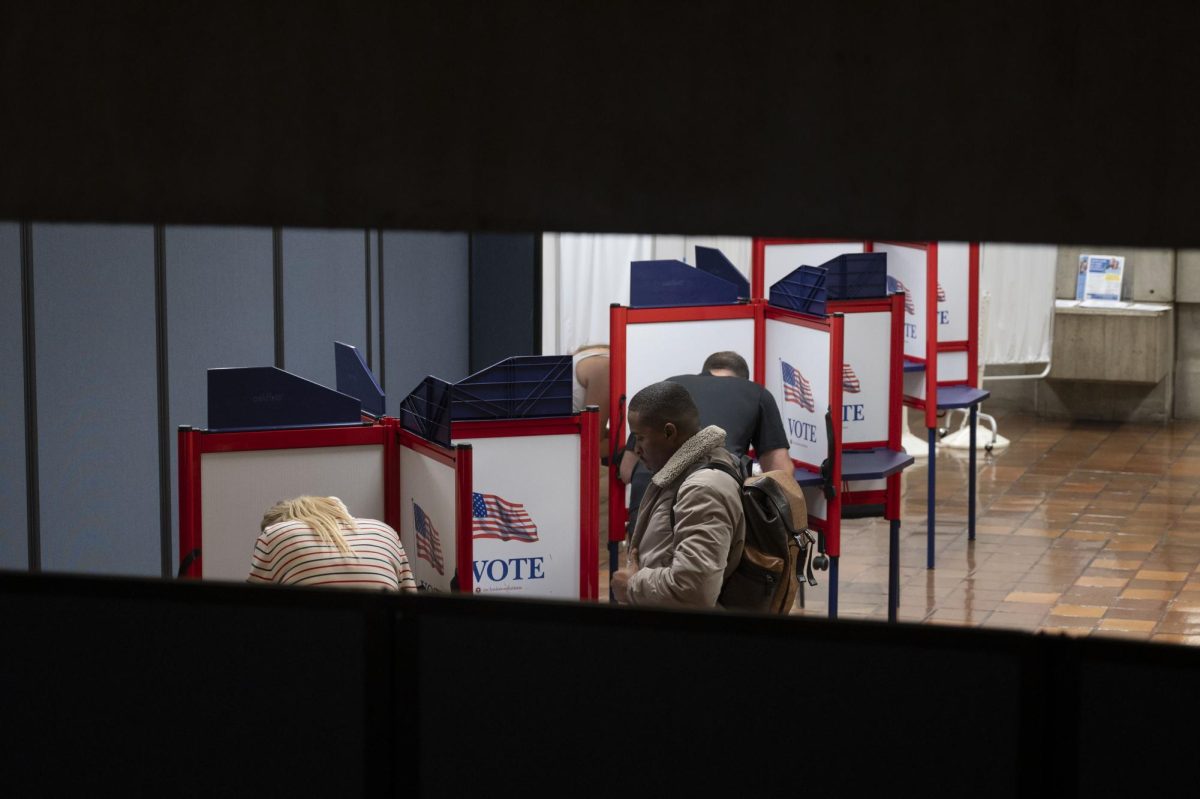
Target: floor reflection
1083,528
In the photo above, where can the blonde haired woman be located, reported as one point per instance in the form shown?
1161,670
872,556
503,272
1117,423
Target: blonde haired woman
315,541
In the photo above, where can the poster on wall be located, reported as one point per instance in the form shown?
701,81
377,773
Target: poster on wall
1099,278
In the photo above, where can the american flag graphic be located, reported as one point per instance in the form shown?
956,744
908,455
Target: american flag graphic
429,546
496,517
909,308
850,382
941,292
796,389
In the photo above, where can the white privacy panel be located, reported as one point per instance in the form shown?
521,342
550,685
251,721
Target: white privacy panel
238,487
798,376
914,384
952,367
854,486
814,498
655,351
866,376
954,283
427,517
907,265
526,520
780,260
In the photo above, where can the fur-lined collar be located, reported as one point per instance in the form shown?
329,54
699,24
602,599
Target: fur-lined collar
692,450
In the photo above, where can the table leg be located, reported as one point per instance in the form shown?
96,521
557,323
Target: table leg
614,555
833,586
971,477
932,493
893,569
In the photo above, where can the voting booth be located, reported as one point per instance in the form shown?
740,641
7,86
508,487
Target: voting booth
940,281
815,348
773,259
678,315
833,347
273,435
534,500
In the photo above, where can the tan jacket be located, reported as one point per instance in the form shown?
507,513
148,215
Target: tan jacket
687,566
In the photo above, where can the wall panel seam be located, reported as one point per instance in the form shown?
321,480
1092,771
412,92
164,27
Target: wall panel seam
29,354
164,399
277,282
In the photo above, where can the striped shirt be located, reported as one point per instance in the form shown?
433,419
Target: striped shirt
292,553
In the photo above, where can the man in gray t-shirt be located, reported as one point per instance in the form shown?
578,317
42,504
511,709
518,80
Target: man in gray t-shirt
727,398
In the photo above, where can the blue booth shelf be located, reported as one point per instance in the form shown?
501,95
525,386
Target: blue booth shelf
807,477
802,290
873,464
267,398
913,366
714,262
668,284
952,397
852,276
856,276
354,378
516,388
426,411
520,387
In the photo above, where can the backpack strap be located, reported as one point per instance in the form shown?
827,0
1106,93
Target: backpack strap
718,466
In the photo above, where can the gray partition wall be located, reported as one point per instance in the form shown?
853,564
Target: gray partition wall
98,475
127,320
506,286
324,299
14,549
425,324
375,307
219,312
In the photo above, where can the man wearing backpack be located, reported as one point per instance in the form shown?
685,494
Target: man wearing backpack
727,398
689,537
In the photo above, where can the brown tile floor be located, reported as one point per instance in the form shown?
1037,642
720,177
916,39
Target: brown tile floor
1084,528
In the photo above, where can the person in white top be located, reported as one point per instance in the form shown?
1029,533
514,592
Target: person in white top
590,367
315,541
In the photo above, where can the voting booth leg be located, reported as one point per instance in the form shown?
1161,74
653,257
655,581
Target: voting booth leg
833,582
614,550
932,486
893,569
971,477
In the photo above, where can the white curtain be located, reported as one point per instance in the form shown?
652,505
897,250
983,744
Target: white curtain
1018,282
593,273
584,273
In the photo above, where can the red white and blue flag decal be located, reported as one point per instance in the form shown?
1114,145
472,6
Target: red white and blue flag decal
909,308
941,292
429,547
797,389
850,382
496,517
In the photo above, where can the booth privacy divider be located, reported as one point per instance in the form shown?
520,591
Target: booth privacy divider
534,504
940,283
228,480
522,521
831,355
